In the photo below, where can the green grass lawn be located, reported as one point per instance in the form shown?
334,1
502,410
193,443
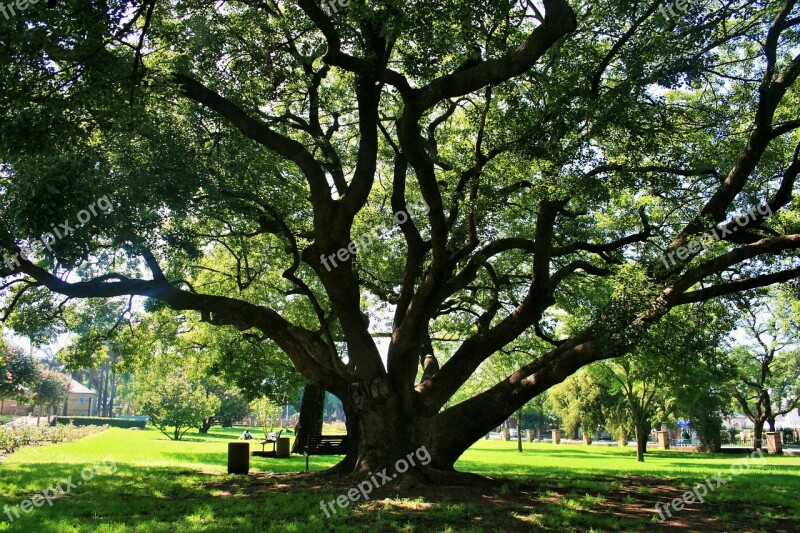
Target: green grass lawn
161,485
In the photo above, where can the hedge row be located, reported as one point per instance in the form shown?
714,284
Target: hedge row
98,421
18,435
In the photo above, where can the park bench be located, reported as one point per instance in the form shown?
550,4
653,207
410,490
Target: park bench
273,438
325,445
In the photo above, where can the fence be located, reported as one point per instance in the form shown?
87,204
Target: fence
788,443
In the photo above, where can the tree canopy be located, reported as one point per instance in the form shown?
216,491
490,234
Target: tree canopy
18,371
576,170
173,399
50,389
766,383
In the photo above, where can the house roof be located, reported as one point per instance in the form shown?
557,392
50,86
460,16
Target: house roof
77,388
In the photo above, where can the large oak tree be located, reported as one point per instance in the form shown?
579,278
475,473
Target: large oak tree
573,156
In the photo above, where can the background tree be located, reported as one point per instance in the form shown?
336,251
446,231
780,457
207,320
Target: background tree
674,364
583,175
767,380
233,405
109,341
49,390
632,414
173,401
268,412
537,415
581,402
706,415
18,372
97,343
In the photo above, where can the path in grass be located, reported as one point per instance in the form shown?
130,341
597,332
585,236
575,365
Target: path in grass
160,485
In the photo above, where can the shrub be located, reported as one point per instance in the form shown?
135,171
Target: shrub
14,437
98,421
174,402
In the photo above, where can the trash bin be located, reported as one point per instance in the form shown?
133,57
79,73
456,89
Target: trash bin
282,447
238,457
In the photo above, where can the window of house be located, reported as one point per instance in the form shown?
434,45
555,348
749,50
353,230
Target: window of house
81,400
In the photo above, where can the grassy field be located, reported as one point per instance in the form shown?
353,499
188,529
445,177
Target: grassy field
140,481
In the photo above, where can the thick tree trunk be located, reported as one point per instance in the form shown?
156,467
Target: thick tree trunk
105,391
380,436
310,421
100,392
113,393
642,431
758,430
385,438
206,425
387,420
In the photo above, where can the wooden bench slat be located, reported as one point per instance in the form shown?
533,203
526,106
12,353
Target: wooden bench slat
271,437
325,445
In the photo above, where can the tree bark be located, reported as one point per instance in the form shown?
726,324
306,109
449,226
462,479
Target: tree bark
642,431
758,430
113,393
541,424
206,425
310,422
105,389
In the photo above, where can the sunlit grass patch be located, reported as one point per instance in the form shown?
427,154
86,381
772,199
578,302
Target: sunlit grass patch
168,486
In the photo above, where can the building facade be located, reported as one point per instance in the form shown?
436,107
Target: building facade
81,401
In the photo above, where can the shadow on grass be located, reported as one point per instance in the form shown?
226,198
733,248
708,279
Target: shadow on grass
185,499
178,499
293,464
154,499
